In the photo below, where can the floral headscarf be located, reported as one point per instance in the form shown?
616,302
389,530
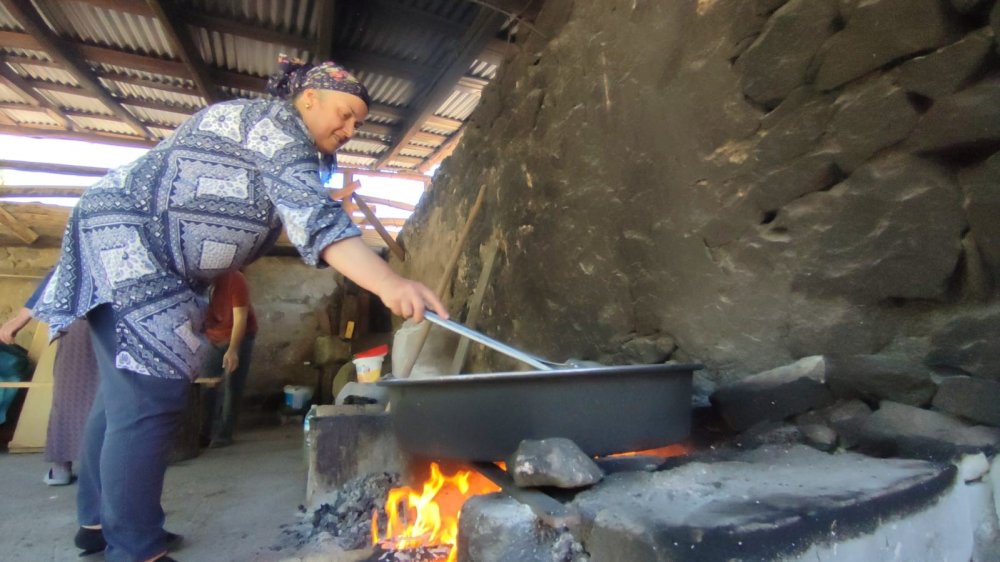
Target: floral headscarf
294,75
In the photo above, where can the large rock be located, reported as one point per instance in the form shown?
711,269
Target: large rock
969,119
948,69
901,430
777,62
879,377
891,230
779,503
970,398
773,395
981,185
880,32
557,462
871,117
496,527
968,343
845,418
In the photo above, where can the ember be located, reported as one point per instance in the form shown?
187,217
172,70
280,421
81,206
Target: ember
429,518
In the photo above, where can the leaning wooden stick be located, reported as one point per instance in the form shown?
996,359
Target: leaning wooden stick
442,286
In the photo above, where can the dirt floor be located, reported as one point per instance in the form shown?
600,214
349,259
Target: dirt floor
229,504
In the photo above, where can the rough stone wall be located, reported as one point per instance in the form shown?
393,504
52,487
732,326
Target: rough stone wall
287,296
737,182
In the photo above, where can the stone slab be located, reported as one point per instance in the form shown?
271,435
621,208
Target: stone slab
774,503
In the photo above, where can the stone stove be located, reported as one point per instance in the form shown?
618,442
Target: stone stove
828,480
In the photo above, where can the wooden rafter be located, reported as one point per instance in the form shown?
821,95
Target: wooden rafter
326,15
105,138
182,43
40,191
53,168
59,50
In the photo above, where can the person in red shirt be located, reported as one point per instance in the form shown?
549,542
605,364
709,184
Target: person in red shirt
230,326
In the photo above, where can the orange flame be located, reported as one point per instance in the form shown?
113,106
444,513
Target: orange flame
674,450
429,518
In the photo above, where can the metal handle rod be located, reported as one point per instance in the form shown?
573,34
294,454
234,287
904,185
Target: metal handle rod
487,341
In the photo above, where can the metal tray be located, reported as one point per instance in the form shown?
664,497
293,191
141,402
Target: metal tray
484,417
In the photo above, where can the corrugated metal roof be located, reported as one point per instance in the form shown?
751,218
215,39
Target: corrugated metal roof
388,90
105,125
459,105
30,53
361,145
9,96
238,53
398,48
47,73
29,117
481,69
7,21
157,116
133,91
100,26
76,102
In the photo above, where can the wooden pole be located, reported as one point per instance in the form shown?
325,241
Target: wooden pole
442,286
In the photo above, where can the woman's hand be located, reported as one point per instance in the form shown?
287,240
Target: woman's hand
11,327
408,298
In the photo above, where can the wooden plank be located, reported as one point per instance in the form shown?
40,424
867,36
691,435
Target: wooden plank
379,201
40,191
24,384
106,138
33,423
17,227
54,168
394,246
476,304
327,18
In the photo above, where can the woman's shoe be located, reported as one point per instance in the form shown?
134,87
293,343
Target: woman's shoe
59,474
90,541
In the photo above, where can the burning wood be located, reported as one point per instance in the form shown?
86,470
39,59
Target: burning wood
419,554
428,519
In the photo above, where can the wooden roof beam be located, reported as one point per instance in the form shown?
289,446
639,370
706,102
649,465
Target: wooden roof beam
62,52
53,168
80,135
326,15
481,32
182,42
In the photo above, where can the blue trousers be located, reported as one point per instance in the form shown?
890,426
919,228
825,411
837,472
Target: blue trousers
124,457
219,419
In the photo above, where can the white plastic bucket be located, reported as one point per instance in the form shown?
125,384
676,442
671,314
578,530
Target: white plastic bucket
296,396
369,368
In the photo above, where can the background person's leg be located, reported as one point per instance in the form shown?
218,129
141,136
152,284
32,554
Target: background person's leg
234,385
211,403
142,414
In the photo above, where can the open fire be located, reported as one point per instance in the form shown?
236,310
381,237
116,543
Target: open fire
428,518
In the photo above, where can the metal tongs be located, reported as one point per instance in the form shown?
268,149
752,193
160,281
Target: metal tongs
534,361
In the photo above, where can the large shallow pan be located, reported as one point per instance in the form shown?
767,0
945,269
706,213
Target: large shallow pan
604,410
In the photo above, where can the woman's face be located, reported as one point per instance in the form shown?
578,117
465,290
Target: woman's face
332,117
